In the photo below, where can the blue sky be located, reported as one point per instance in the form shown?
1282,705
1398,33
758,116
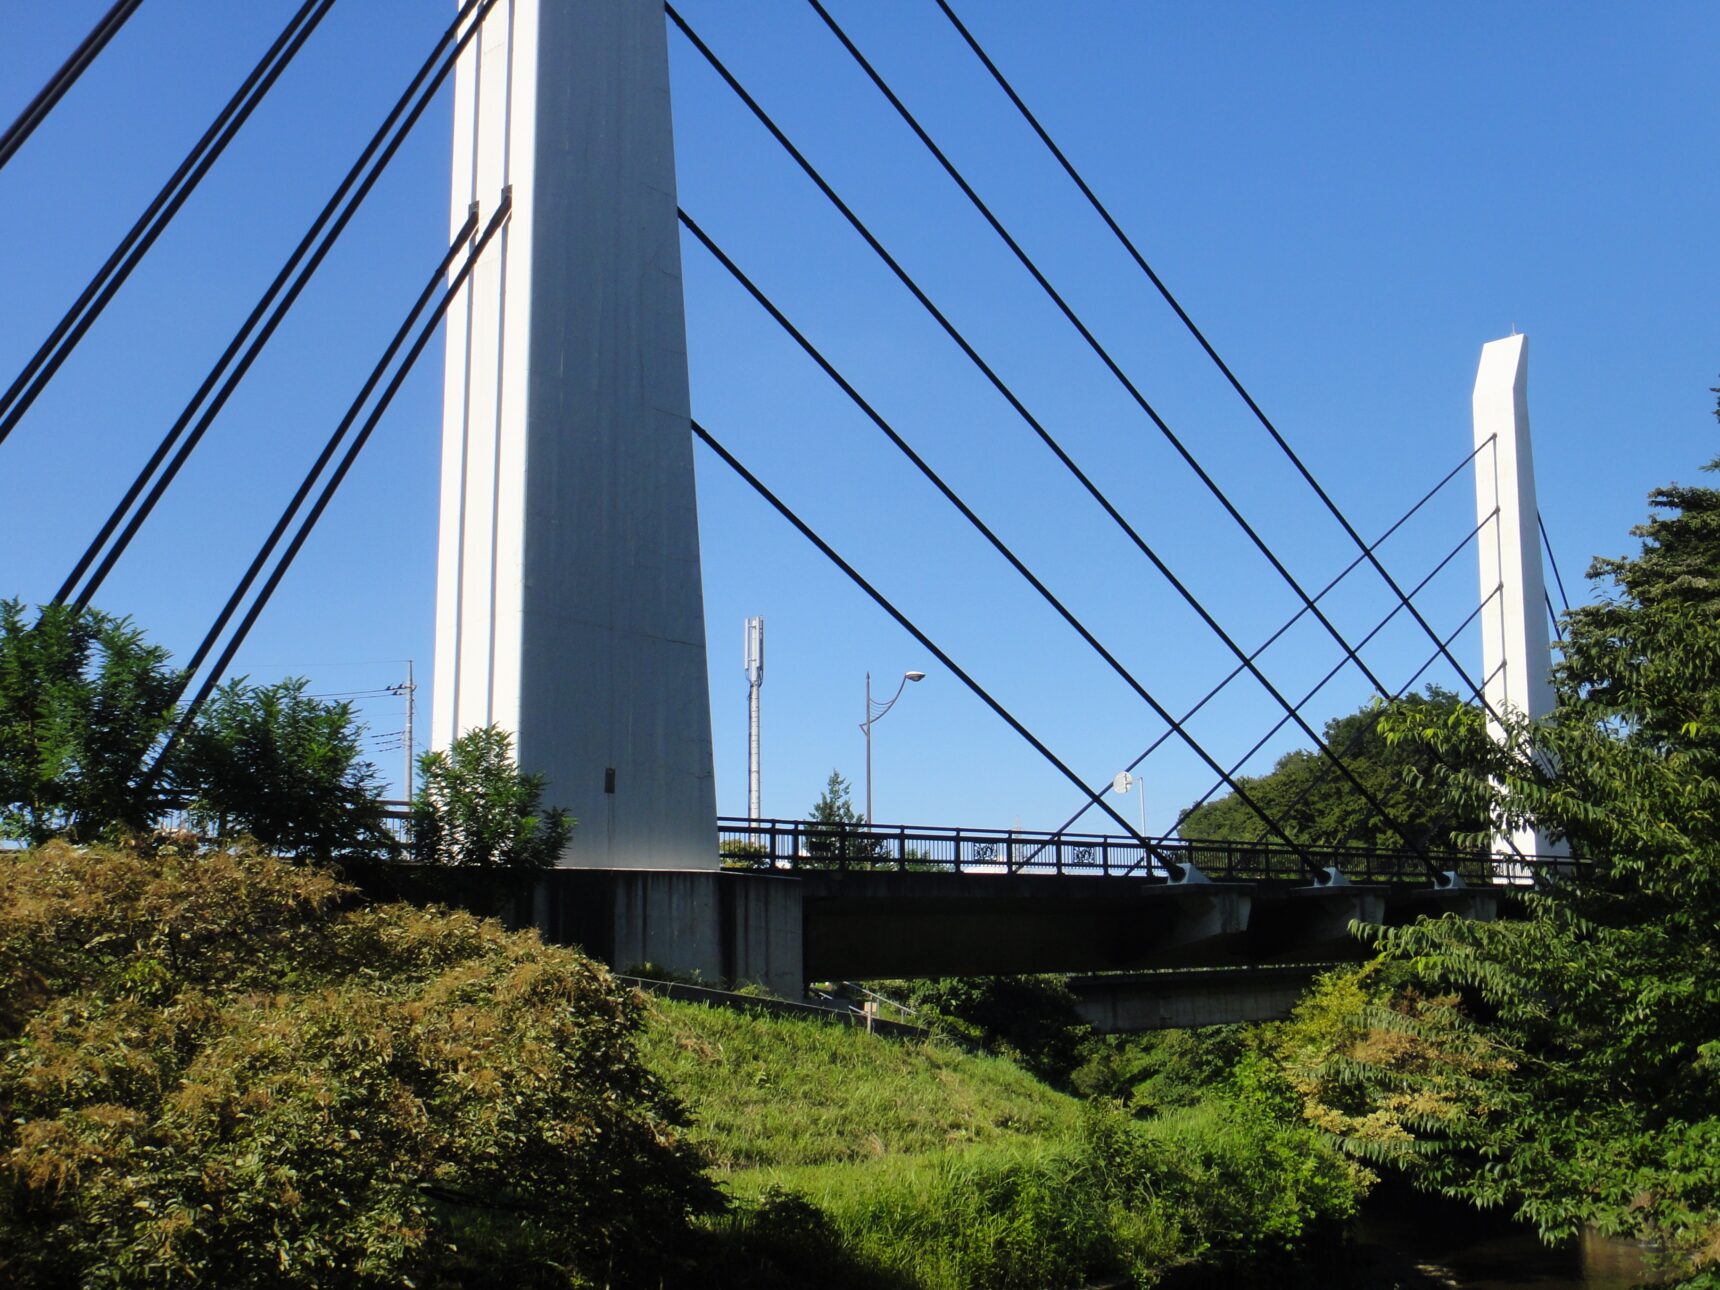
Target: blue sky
1350,199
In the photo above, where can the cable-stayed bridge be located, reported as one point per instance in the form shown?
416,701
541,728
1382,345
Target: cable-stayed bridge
569,593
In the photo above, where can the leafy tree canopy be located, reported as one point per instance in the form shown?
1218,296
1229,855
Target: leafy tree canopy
216,1070
837,817
1601,1008
476,807
1316,805
85,704
285,768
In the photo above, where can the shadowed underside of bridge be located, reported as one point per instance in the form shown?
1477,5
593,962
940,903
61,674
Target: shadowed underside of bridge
1146,952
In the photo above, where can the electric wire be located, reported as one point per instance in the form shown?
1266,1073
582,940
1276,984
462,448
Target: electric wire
282,293
426,331
102,288
956,670
49,96
1193,330
961,506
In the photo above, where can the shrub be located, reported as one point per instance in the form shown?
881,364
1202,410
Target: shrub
478,808
215,1070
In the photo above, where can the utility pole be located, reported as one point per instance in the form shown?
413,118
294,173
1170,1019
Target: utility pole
409,692
755,681
411,711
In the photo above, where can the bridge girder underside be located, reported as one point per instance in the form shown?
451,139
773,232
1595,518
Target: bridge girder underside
903,925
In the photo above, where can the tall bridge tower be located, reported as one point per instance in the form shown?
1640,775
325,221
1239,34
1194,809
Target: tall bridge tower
569,608
1516,653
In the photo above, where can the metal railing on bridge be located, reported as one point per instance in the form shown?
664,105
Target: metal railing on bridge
808,844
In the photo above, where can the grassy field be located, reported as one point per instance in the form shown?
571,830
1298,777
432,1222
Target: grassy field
865,1161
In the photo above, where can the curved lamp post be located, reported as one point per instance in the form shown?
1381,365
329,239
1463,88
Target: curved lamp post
875,713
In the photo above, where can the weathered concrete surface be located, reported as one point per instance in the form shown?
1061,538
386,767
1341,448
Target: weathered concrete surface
726,926
1171,1000
569,606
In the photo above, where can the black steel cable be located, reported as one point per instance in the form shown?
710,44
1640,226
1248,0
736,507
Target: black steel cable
967,513
1553,564
1122,377
1188,322
997,383
1295,618
341,206
1327,678
100,290
461,239
333,483
48,97
1093,342
1445,643
956,670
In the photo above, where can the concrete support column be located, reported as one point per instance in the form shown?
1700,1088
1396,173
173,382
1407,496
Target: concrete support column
569,608
1516,651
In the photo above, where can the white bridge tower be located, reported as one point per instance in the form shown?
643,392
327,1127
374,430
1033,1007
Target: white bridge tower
569,608
1516,653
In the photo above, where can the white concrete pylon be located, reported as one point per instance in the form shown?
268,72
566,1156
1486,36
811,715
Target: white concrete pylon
1515,647
569,607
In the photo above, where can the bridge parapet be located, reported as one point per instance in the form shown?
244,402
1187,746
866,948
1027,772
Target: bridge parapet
797,845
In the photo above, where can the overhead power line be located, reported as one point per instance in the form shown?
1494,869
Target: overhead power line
955,669
101,289
37,109
270,310
1200,337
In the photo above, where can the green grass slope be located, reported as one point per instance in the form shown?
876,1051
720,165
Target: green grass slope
862,1161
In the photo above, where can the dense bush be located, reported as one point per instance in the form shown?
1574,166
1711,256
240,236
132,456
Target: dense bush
216,1070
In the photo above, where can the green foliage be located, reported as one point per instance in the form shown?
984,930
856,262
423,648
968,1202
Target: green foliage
877,1162
1160,1070
1030,1019
272,763
1317,805
85,704
476,807
770,1091
835,812
1604,1003
215,1071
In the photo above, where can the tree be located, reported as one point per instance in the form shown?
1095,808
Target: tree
285,768
1317,805
1604,1001
85,704
476,807
836,823
220,1069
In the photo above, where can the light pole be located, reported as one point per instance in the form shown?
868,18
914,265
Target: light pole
875,713
1122,782
755,679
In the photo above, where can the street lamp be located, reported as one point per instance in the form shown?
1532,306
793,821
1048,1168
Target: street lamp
874,713
1123,782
